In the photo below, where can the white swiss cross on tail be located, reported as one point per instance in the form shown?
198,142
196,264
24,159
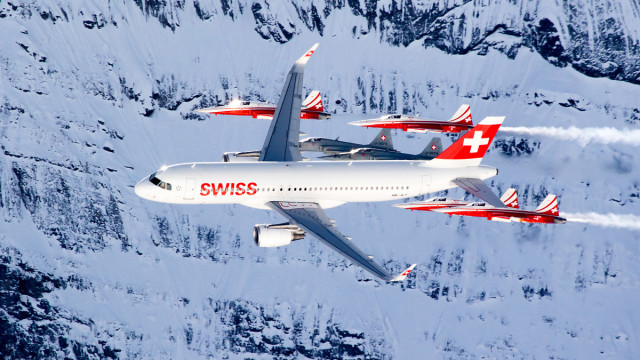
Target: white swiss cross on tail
476,142
470,148
383,138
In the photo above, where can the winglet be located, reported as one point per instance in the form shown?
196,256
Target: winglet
304,58
404,274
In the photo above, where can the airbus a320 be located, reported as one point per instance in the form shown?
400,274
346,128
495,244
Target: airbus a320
300,191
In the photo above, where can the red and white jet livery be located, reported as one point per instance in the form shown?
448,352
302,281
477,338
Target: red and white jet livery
300,191
312,108
546,213
460,121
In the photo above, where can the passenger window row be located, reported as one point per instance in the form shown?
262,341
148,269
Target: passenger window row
336,188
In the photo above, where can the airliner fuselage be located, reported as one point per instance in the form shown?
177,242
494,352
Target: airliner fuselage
328,183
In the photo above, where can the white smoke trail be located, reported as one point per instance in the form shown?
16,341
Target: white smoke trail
583,136
624,221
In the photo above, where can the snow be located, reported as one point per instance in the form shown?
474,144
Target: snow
494,273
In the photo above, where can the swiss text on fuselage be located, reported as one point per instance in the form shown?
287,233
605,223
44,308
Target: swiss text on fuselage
216,189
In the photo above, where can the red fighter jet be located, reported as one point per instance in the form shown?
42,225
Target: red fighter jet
460,121
546,213
311,108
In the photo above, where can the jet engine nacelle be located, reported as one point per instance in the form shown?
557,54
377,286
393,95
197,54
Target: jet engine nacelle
247,156
265,235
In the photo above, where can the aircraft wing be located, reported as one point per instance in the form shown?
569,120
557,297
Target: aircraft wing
478,188
312,219
281,143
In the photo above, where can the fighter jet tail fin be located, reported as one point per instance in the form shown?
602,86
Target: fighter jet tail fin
549,205
382,140
433,149
313,102
510,198
462,115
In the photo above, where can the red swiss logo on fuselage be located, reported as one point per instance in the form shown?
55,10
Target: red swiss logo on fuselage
216,189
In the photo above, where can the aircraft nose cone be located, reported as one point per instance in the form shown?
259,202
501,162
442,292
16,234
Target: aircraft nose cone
144,189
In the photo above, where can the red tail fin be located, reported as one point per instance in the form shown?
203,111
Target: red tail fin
470,149
313,102
462,115
549,205
510,198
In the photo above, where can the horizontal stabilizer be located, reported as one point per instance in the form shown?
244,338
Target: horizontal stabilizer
404,274
480,190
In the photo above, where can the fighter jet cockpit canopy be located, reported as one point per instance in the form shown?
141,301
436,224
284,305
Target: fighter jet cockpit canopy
477,204
394,116
159,183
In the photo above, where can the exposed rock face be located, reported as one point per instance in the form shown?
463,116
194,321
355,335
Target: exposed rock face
599,39
30,327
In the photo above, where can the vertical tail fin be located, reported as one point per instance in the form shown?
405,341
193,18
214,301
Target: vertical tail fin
383,140
313,102
510,198
462,115
433,149
471,147
549,205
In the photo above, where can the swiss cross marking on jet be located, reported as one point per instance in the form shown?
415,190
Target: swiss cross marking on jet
309,53
383,138
475,142
433,147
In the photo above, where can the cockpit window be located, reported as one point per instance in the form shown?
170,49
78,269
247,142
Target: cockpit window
245,103
395,116
159,183
154,180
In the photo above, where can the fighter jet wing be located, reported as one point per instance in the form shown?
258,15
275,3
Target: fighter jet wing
311,218
281,143
478,188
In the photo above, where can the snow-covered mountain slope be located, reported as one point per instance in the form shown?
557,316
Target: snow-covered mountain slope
94,96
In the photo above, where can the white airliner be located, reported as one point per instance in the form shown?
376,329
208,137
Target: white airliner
299,191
